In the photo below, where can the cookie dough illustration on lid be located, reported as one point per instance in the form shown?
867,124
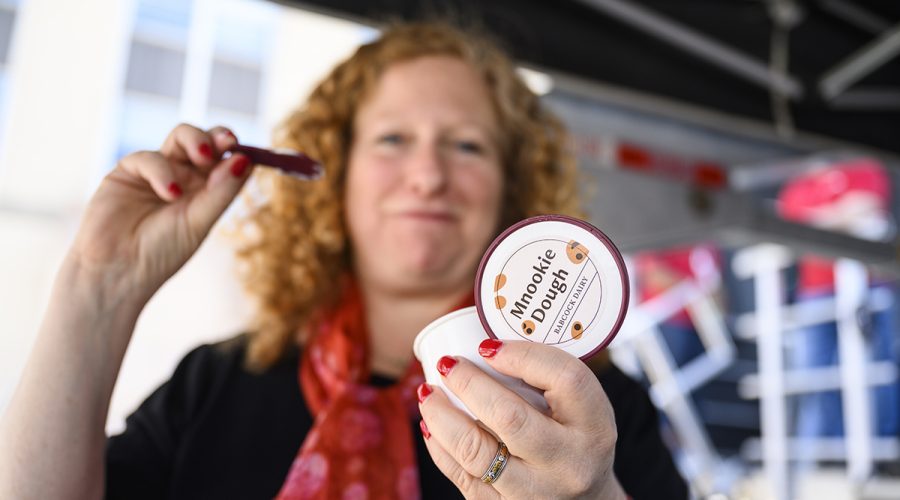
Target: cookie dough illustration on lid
555,280
576,252
577,330
499,300
528,327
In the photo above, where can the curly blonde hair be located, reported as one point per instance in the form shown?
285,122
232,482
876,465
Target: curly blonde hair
294,240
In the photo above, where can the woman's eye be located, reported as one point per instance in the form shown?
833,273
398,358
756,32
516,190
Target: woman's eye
393,139
471,147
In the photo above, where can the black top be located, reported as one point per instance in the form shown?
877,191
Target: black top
215,430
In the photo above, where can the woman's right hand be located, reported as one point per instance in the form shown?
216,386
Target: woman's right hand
145,221
151,213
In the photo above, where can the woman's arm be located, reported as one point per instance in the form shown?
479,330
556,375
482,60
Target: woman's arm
53,433
146,219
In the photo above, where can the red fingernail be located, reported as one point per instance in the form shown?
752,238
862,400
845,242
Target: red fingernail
489,347
205,150
445,364
425,431
424,390
240,165
175,189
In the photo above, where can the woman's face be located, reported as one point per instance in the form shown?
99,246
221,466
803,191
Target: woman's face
424,179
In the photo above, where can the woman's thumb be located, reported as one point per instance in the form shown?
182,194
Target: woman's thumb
223,184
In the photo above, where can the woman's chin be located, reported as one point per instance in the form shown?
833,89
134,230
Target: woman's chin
428,267
429,274
423,261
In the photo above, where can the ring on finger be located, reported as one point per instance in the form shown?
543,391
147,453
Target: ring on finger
497,465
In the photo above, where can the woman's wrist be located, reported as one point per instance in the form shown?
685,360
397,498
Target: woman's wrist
106,289
90,316
88,302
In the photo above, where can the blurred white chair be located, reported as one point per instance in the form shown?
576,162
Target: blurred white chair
640,347
853,375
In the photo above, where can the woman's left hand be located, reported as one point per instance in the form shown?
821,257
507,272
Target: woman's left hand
566,454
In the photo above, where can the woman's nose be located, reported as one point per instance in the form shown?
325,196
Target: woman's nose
426,172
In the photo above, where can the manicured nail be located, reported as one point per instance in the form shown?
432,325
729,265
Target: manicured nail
425,431
175,189
489,347
205,150
424,390
445,364
240,165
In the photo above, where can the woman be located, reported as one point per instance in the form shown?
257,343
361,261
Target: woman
431,146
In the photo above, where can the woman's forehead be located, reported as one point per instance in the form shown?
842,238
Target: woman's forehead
431,86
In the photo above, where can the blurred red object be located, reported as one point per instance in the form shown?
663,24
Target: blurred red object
803,195
816,197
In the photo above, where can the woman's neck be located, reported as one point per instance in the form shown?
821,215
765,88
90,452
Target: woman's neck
394,320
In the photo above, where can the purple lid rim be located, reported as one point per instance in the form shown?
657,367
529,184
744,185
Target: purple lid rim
616,255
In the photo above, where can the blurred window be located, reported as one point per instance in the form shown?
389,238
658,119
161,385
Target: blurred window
163,20
235,87
7,20
7,23
158,83
243,43
244,31
154,76
155,70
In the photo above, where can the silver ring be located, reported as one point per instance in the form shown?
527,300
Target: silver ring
497,465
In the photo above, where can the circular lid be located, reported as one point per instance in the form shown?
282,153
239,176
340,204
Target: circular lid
556,280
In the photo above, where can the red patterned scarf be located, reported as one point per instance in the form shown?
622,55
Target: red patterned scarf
360,445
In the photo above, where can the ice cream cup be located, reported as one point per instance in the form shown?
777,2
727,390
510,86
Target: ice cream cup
459,334
550,279
553,280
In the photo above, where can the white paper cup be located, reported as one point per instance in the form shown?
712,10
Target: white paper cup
459,334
